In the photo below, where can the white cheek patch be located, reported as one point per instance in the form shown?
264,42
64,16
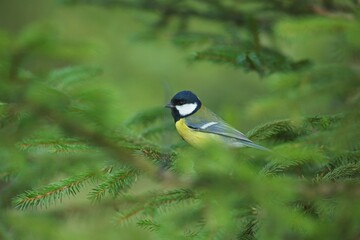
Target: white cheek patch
186,109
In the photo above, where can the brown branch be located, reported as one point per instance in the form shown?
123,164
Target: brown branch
80,130
33,199
123,155
101,192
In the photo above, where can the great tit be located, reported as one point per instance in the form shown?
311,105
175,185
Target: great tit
197,125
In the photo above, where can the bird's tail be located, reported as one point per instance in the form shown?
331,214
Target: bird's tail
254,145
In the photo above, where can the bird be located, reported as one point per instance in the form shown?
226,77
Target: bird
199,126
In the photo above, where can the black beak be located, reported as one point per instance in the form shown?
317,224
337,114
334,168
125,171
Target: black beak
169,105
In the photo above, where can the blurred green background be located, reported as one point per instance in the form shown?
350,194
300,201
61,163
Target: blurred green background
142,74
142,70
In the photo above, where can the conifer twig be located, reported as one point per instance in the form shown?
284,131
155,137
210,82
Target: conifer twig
116,183
157,201
79,130
53,192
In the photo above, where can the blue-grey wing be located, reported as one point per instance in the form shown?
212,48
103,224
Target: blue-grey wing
206,121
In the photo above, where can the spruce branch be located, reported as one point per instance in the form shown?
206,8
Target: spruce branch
288,130
248,233
297,157
280,130
251,57
160,156
155,202
172,196
344,157
340,164
52,193
164,159
148,224
123,154
114,184
126,216
65,78
55,145
263,60
76,129
345,171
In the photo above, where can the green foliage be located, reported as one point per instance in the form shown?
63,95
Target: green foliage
264,62
114,184
289,130
65,137
148,224
48,195
54,145
345,171
156,203
242,48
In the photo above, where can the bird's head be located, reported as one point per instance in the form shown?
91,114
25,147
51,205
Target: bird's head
183,104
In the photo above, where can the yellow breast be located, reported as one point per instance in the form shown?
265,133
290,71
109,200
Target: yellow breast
194,138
